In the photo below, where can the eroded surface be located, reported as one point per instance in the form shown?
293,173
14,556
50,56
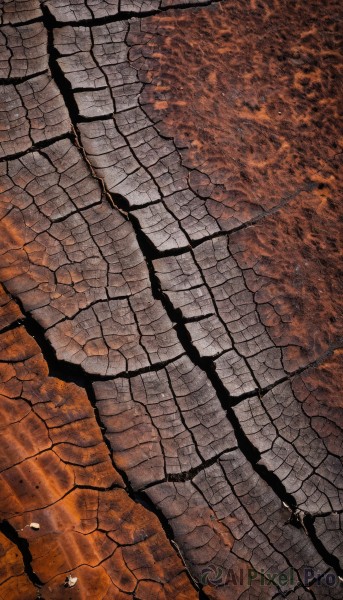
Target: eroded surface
171,312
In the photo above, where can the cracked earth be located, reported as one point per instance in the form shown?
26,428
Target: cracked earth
170,308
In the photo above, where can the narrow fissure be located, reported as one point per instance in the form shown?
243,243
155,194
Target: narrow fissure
249,451
23,547
36,146
125,15
56,72
329,558
18,80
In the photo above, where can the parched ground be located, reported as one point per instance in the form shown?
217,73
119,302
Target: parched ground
171,302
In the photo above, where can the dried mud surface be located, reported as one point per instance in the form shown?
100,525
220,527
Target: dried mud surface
171,302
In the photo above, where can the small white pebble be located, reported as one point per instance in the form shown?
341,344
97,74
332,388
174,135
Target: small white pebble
35,525
70,581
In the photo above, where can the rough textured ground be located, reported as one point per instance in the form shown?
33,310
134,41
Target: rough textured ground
171,307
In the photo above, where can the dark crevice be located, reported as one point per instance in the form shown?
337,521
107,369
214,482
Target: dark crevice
120,202
18,80
84,119
56,72
126,15
329,558
253,455
247,448
202,595
57,368
14,325
66,90
21,23
23,547
62,369
38,146
189,475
